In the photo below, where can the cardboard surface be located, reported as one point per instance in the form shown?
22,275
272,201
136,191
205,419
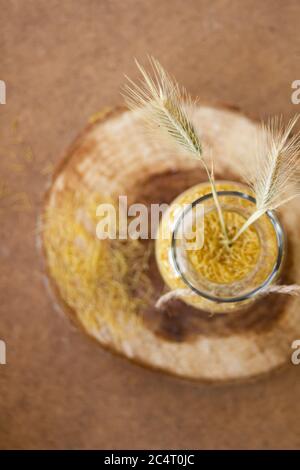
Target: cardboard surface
62,62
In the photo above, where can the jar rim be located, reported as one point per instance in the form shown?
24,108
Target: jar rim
248,295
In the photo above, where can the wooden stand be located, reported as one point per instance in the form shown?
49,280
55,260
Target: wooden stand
112,158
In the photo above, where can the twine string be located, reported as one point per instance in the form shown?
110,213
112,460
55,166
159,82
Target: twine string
291,289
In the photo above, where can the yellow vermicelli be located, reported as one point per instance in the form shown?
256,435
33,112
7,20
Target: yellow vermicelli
98,279
219,263
214,266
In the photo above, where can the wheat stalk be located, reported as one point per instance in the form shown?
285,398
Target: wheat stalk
274,177
163,105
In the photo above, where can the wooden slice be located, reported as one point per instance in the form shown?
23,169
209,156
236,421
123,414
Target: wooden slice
110,287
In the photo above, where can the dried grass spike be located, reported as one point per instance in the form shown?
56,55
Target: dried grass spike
163,106
275,177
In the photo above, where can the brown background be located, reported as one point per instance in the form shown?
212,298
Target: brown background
62,61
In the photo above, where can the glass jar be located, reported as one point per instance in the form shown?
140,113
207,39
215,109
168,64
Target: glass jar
219,278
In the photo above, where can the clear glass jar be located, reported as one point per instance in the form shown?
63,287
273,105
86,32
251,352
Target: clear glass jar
222,280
